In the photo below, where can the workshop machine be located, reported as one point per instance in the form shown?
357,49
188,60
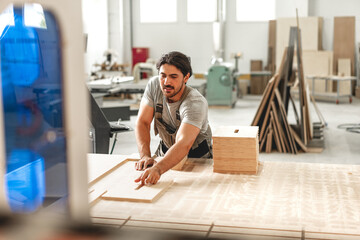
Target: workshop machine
222,87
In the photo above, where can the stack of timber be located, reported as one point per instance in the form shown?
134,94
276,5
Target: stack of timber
236,149
275,131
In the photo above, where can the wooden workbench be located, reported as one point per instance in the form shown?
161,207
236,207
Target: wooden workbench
282,200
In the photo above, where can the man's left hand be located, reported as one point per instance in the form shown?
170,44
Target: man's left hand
149,176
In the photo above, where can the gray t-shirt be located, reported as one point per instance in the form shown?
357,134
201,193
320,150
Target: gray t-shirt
193,109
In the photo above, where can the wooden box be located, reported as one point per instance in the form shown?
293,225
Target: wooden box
236,149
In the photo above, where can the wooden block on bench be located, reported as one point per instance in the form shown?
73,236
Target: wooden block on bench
236,149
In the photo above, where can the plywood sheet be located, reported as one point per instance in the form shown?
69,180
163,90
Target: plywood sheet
95,195
311,37
322,199
271,46
357,92
344,69
318,63
344,40
125,189
257,82
99,165
180,165
253,233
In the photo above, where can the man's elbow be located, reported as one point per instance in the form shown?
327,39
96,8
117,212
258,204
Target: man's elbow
186,145
140,125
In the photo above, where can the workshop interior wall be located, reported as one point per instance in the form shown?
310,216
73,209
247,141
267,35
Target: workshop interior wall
195,39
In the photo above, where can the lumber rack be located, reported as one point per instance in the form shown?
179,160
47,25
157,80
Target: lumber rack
276,134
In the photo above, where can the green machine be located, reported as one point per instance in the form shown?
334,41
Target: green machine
222,87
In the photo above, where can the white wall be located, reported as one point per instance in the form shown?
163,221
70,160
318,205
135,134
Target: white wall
95,22
287,8
193,39
196,40
328,10
119,30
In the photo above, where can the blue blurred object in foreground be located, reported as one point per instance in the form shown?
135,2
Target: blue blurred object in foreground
25,184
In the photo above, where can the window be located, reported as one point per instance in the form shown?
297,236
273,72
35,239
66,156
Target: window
34,15
255,10
6,18
197,12
156,11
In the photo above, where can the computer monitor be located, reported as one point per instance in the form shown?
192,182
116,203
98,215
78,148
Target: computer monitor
43,107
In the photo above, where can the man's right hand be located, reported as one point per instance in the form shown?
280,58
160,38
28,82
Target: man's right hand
144,163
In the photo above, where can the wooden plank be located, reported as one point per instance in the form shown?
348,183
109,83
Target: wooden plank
344,69
321,118
257,83
298,140
276,84
276,132
263,141
99,166
305,132
311,34
263,102
308,114
126,189
318,63
251,233
344,41
314,149
285,122
296,115
95,196
357,92
180,165
282,121
271,47
282,138
269,140
302,89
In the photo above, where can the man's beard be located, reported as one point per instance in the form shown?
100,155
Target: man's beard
175,93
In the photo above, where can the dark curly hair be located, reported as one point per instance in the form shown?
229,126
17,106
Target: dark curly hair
177,59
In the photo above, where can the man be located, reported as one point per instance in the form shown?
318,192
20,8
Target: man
181,119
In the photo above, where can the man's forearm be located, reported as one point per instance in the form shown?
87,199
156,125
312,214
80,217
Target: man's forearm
142,133
172,157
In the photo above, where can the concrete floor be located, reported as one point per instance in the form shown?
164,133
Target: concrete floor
341,146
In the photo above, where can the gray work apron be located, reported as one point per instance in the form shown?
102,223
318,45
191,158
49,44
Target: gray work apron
200,149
